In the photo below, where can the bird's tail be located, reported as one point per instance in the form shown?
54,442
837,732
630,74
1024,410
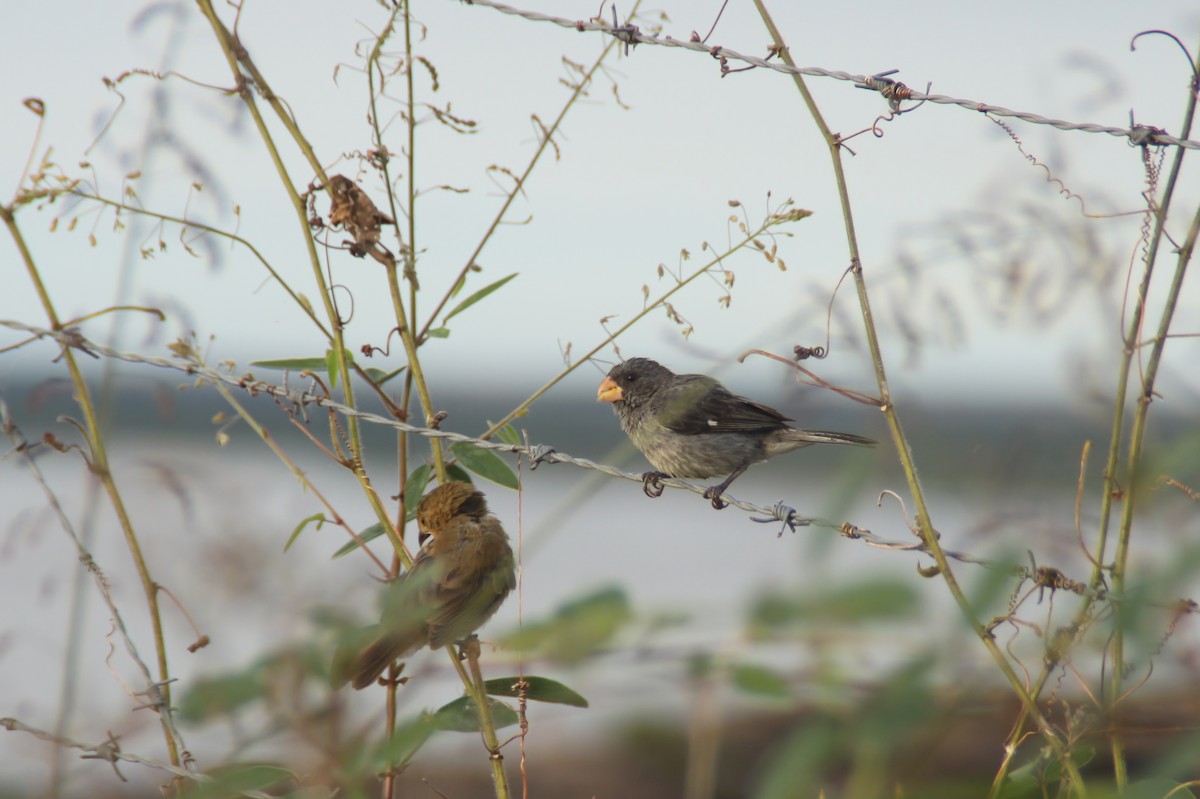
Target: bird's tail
803,437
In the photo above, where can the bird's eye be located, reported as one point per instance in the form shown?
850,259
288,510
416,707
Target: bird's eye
630,378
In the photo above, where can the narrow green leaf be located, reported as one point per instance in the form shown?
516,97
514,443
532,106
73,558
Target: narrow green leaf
293,364
477,296
377,376
542,689
440,332
1158,788
760,681
319,518
414,490
508,434
577,629
418,479
368,534
331,367
404,743
460,716
220,696
485,463
873,600
456,472
240,779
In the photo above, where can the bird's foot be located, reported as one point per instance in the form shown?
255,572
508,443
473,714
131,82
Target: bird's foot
652,484
714,493
398,680
468,648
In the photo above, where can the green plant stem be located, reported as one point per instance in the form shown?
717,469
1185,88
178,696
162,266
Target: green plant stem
1137,434
924,522
1133,489
302,302
235,54
416,376
478,693
414,366
408,250
98,464
544,142
296,471
523,406
1109,478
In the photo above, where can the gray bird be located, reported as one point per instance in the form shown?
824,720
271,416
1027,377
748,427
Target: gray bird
692,426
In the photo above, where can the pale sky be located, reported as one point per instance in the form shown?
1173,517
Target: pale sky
633,187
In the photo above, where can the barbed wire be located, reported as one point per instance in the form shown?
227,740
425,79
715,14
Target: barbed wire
109,750
892,90
537,454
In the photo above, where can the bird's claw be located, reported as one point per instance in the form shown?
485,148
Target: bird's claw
468,648
714,494
652,484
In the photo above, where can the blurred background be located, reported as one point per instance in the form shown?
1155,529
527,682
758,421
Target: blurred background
783,664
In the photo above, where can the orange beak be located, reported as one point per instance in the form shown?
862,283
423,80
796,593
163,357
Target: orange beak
609,391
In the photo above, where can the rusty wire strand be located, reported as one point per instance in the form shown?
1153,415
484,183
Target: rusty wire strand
893,91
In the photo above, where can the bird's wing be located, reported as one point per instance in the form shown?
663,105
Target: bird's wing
697,404
407,601
475,584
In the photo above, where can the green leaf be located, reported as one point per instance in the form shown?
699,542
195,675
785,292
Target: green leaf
294,364
870,600
378,376
219,696
369,534
485,463
760,681
800,764
1158,788
577,629
331,367
408,738
508,434
460,716
414,489
418,479
240,779
542,689
456,472
319,518
477,296
439,332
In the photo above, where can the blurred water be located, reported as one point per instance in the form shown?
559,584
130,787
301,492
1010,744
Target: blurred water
213,523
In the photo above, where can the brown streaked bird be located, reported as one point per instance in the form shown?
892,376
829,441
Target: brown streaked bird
692,426
457,581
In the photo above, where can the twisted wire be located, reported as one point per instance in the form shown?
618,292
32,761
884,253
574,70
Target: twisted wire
893,91
787,516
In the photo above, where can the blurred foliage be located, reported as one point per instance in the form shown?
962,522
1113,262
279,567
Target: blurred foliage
576,631
868,601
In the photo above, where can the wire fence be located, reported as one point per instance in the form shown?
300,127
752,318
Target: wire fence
894,91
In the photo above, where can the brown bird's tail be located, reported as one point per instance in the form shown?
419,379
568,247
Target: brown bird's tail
375,659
